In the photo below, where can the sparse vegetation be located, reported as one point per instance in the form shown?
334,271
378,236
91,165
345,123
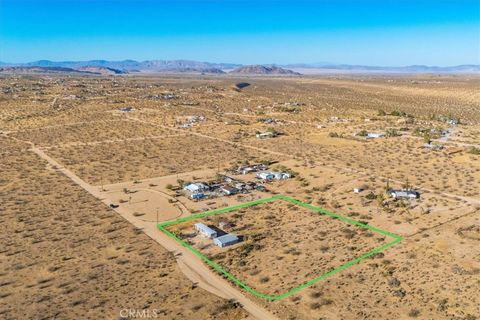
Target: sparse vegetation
146,153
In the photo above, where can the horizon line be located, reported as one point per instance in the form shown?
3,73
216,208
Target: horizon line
318,64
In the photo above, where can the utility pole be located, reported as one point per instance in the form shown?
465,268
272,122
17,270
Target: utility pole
157,215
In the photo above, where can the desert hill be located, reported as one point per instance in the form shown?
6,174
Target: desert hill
263,70
100,70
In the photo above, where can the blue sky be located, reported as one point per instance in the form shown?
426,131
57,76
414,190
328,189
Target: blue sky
370,32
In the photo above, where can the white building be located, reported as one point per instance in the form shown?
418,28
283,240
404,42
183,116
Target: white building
280,175
205,230
405,194
265,176
226,240
375,135
268,134
195,187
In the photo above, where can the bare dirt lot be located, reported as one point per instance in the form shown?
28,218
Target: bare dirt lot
281,239
130,160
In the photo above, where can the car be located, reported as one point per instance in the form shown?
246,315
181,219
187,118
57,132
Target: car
260,188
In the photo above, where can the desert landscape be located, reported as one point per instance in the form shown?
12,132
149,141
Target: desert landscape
92,164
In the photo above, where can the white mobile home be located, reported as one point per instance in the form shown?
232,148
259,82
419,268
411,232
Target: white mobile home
265,175
408,194
205,230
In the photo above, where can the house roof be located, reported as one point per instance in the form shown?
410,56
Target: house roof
195,186
226,238
404,193
204,228
265,174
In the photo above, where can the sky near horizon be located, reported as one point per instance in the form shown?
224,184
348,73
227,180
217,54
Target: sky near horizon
367,32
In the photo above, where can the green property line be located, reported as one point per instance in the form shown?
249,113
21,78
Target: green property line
162,227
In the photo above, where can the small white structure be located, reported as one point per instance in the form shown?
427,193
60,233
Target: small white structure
404,194
357,190
453,121
375,135
280,175
268,134
195,187
226,240
205,230
265,176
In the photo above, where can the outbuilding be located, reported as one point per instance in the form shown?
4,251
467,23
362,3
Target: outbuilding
265,175
195,187
268,134
374,135
205,230
229,190
280,175
408,194
226,240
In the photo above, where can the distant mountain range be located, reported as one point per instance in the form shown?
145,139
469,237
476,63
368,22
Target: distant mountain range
104,67
80,70
133,66
466,68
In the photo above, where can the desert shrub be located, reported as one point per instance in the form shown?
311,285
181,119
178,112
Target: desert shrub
398,113
264,279
362,133
391,132
474,150
371,196
414,313
228,305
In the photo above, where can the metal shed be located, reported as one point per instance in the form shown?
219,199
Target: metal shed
226,240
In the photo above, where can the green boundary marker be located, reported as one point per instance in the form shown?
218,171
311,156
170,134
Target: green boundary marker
162,227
